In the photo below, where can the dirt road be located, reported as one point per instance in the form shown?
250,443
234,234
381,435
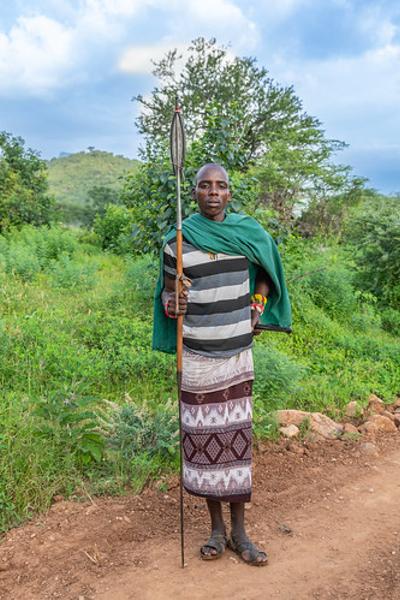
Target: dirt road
329,516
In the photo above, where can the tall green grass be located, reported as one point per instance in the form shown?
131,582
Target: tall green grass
86,405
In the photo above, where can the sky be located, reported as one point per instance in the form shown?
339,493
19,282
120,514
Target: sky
69,68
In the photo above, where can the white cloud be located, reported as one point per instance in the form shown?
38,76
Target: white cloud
138,59
40,54
222,19
378,25
34,52
357,98
188,20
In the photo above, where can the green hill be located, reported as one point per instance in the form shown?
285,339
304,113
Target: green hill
72,176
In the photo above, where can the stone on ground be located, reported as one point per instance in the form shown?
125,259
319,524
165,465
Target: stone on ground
290,431
319,423
349,428
375,405
353,409
383,423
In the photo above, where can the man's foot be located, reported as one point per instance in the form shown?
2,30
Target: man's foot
247,551
215,547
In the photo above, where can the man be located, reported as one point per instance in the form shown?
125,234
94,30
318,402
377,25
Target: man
226,257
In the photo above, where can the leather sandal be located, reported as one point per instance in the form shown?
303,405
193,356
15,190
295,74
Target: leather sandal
217,542
253,553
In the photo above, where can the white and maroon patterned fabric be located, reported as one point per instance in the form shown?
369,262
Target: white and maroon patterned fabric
216,409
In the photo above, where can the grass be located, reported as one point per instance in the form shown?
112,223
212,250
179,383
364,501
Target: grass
87,405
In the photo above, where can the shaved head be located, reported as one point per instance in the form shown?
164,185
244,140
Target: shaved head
211,166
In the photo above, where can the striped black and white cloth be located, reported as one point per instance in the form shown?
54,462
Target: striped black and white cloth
217,322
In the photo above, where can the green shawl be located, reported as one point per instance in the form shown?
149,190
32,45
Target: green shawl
237,234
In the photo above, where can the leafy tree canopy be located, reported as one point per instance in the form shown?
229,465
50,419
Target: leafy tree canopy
373,229
23,184
276,154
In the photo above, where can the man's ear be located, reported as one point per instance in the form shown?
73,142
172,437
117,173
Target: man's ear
193,193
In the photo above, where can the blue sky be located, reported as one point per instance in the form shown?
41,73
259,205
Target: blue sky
69,68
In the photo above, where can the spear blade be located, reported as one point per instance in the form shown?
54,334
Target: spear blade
177,141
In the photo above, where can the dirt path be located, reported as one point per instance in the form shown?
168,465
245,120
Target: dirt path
328,515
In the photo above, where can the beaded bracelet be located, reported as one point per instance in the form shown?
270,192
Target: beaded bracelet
258,302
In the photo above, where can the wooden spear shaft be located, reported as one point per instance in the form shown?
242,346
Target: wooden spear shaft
177,157
179,351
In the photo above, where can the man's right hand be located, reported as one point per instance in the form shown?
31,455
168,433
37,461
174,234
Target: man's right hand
171,299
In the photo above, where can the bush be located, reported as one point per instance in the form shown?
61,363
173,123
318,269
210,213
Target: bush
23,185
28,251
391,321
277,377
114,229
326,280
68,273
139,282
374,234
22,262
142,442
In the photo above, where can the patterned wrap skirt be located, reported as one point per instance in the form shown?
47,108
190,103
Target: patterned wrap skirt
216,410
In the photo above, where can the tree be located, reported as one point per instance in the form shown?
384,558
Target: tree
23,185
235,114
373,230
230,102
98,198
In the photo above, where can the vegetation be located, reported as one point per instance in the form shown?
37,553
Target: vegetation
71,177
87,406
84,183
277,155
24,196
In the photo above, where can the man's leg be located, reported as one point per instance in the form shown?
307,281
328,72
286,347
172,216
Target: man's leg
218,530
240,542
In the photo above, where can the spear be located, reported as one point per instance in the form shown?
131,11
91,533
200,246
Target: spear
177,145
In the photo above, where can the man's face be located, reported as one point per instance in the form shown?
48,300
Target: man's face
212,192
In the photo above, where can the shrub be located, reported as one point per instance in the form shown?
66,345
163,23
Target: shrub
330,287
114,229
374,234
23,185
22,262
142,442
28,251
68,273
277,377
391,321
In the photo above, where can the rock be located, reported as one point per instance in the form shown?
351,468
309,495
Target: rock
324,426
353,409
383,423
291,417
320,424
388,414
396,403
349,428
368,427
290,431
369,449
375,405
397,419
